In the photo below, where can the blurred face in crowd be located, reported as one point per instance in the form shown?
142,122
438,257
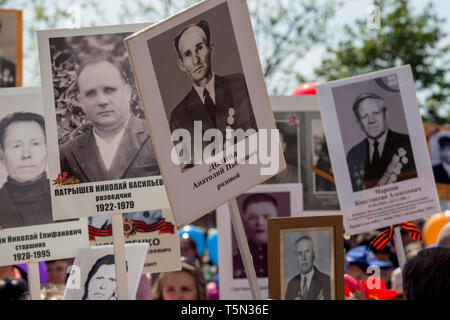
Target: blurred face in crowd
372,117
305,255
57,271
25,151
255,220
179,285
104,95
195,55
103,284
187,248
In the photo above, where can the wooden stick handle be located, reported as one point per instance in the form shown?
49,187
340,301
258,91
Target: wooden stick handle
34,281
119,257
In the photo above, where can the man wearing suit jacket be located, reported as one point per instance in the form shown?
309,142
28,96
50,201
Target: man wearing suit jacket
118,144
220,102
442,170
310,283
384,156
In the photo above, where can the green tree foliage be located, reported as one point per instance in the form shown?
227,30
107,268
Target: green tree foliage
284,29
405,37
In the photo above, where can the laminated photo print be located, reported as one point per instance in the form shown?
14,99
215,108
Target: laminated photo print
27,229
378,149
256,207
10,48
101,156
200,81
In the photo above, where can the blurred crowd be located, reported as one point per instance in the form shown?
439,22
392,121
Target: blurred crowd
425,276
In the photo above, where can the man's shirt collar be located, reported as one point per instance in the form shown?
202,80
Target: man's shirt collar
210,87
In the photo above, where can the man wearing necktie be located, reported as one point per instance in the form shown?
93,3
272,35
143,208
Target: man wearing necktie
384,156
220,102
310,283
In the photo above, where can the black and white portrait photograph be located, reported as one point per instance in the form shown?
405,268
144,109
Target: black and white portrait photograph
24,182
378,149
98,133
289,130
309,251
151,226
438,138
256,207
314,165
94,275
10,48
202,87
102,130
205,82
307,265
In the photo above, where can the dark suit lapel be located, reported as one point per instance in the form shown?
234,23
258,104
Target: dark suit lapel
314,288
89,159
198,111
132,140
223,102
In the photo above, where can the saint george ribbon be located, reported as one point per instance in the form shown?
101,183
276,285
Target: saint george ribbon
381,241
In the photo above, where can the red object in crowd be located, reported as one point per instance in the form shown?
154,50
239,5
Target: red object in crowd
305,89
360,291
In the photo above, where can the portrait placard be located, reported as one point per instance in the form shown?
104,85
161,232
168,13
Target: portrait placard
155,227
255,206
304,145
101,157
201,84
306,258
27,230
93,274
438,138
10,48
378,149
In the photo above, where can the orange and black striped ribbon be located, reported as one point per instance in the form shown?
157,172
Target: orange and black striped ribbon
382,240
162,225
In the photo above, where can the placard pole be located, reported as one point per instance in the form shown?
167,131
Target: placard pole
119,256
401,256
34,281
246,256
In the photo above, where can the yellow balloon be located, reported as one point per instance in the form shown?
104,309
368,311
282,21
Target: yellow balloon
432,227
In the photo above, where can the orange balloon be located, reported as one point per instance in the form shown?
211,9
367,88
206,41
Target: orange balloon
432,227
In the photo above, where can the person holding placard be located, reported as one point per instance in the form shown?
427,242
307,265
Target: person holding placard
384,156
25,196
220,102
310,283
118,145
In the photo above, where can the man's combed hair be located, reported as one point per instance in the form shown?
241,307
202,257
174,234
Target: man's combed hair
202,24
259,197
364,96
19,117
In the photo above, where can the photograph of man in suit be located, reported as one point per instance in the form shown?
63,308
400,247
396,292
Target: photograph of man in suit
220,102
310,283
257,208
118,144
25,196
442,170
383,156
